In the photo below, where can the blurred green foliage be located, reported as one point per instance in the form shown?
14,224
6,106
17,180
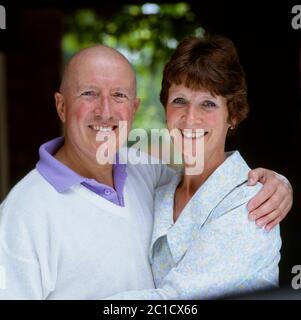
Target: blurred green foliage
146,34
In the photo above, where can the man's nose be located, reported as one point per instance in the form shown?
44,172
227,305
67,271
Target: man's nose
104,108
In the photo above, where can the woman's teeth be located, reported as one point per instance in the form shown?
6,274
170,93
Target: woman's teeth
193,134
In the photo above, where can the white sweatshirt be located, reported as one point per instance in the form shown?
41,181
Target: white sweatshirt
76,244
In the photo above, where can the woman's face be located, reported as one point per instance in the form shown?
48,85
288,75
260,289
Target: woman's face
189,109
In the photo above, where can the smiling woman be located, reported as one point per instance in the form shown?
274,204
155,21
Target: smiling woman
201,227
197,65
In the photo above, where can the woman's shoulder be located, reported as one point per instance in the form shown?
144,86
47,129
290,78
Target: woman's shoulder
240,194
229,185
238,170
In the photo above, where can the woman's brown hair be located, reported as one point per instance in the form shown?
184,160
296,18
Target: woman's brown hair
209,63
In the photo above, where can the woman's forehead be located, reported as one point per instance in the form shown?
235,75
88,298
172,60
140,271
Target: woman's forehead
185,89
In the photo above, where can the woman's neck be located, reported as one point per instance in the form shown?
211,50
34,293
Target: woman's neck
191,183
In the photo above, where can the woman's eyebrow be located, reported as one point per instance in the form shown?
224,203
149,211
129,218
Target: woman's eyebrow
209,97
178,94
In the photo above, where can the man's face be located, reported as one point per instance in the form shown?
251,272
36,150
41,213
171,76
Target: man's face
99,94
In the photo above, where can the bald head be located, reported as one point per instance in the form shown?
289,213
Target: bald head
98,90
98,55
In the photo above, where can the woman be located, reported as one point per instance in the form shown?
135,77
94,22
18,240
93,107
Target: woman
203,245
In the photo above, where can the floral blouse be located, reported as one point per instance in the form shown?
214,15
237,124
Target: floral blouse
212,250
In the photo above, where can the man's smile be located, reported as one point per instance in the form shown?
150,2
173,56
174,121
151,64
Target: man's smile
101,128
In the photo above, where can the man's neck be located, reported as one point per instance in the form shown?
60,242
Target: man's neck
85,167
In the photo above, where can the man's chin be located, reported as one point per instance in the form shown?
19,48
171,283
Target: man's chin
106,153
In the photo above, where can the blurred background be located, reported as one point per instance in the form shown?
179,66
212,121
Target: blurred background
39,39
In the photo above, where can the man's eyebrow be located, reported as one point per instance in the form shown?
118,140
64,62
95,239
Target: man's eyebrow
85,87
120,89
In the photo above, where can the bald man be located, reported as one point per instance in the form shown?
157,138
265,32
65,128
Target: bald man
73,228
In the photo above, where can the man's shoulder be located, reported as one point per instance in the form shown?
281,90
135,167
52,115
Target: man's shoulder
22,217
28,191
143,166
33,181
134,156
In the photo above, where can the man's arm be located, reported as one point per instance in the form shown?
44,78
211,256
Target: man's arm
21,275
20,278
271,205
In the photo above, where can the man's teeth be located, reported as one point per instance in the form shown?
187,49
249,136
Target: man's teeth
102,129
193,134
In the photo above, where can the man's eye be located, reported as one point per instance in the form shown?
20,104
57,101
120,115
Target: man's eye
209,104
89,93
179,101
119,95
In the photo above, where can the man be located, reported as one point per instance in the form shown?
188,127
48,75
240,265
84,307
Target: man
75,229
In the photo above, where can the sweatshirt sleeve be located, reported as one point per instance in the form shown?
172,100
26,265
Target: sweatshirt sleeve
20,278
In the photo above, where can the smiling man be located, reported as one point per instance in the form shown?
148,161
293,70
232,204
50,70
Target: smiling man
76,229
98,92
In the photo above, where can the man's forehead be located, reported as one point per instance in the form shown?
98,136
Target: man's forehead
100,58
103,78
111,86
96,65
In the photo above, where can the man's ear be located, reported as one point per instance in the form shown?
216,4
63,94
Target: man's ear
136,104
60,106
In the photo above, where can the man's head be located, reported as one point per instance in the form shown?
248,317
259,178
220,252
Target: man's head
98,90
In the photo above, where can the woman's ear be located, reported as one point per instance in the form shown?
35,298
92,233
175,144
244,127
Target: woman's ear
60,106
232,123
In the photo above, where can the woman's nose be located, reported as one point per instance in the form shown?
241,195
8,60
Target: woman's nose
191,115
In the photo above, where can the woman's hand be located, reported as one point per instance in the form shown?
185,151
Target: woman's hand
273,202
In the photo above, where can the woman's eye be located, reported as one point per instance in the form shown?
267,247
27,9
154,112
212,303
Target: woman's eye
179,101
209,104
89,94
